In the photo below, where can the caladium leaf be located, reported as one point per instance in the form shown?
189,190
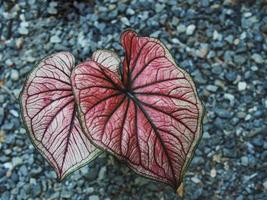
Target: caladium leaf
149,115
49,112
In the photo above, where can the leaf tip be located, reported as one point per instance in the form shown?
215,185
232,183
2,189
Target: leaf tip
180,190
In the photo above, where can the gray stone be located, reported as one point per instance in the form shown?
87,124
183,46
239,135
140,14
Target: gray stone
36,190
257,58
52,8
242,86
130,11
229,39
244,160
222,113
94,197
66,194
17,161
102,172
217,36
212,88
190,29
55,39
2,111
125,21
181,28
231,76
159,7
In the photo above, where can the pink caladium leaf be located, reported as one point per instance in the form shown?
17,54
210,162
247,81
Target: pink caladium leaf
147,113
49,113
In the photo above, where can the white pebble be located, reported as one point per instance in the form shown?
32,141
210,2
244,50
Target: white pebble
217,36
14,75
55,39
213,172
265,184
190,29
242,86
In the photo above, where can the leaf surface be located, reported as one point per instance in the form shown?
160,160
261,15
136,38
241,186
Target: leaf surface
49,113
150,116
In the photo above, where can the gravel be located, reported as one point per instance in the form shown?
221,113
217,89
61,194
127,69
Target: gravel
222,44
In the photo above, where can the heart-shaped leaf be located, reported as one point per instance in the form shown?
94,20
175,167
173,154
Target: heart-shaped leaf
148,115
49,112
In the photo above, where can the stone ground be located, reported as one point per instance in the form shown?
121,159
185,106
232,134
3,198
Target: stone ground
221,43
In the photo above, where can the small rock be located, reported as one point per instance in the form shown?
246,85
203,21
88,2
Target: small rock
195,180
244,160
230,39
159,7
231,76
217,36
52,8
222,113
2,111
66,194
14,75
19,42
55,39
125,21
101,174
190,29
212,88
202,52
90,190
93,197
130,11
242,86
230,97
23,28
257,58
265,184
14,113
17,161
213,172
181,28
36,190
9,62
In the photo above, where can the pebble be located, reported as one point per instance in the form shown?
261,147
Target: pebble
223,113
244,160
23,28
212,88
242,86
181,28
16,161
52,8
125,21
190,29
195,180
230,97
130,11
231,76
213,172
14,75
94,197
265,184
257,58
2,111
55,39
203,51
101,174
217,36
